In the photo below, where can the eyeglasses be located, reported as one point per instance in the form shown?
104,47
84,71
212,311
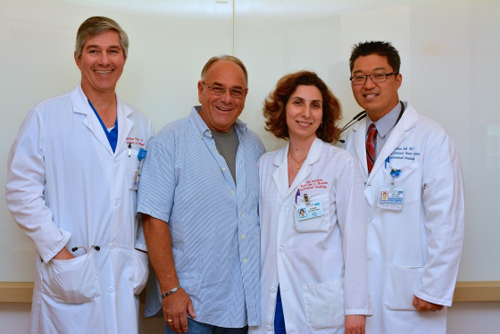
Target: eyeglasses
220,90
376,77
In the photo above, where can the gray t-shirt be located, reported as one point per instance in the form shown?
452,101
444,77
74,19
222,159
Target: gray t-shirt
227,145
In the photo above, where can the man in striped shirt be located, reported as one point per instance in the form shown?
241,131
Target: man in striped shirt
198,196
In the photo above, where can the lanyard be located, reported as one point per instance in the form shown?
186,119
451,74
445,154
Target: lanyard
111,135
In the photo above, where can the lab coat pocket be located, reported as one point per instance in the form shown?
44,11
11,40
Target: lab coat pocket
73,281
400,287
303,219
324,304
141,271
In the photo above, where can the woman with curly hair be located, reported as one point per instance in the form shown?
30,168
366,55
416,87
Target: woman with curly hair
313,222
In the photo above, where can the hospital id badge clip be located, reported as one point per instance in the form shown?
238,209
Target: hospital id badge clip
309,210
391,198
137,175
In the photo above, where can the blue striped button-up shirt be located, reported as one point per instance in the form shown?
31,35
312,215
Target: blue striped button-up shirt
213,222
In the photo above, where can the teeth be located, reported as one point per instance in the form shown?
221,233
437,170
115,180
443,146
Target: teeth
103,72
304,124
370,95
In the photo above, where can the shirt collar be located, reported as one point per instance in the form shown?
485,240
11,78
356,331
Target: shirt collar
387,122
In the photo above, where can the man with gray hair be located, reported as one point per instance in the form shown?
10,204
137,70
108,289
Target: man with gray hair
199,195
72,188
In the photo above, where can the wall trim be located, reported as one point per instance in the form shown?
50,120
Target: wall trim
481,291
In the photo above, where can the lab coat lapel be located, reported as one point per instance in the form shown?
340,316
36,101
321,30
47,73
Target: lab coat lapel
407,121
124,124
359,136
81,106
280,174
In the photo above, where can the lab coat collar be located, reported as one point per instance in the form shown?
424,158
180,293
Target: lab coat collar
81,106
280,174
406,123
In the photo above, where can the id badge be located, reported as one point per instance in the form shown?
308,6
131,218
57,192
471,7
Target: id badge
391,198
137,177
310,210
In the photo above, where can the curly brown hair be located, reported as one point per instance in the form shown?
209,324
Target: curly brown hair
275,106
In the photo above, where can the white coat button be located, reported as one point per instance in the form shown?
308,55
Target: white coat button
111,289
115,161
272,289
116,202
112,246
285,210
281,249
268,328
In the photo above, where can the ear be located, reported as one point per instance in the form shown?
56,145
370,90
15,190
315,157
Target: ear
201,86
77,61
399,80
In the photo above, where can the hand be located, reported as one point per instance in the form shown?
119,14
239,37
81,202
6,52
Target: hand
423,306
355,324
64,254
175,308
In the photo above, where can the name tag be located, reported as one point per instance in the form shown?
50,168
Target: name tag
310,210
391,198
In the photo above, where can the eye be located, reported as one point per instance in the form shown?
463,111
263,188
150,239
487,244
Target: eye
297,102
236,92
378,76
316,105
218,90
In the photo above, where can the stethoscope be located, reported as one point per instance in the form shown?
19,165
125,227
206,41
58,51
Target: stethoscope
361,115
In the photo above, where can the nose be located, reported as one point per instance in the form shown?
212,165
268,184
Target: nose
103,59
226,97
306,111
369,83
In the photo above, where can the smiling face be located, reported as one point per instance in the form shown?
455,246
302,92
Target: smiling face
220,112
304,113
379,98
101,63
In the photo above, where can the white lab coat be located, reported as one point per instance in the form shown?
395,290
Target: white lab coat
415,251
319,264
66,187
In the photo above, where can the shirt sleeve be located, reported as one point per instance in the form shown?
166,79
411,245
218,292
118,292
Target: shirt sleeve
25,187
158,180
351,213
443,201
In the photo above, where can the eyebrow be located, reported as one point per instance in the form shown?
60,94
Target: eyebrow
375,69
222,85
301,98
99,47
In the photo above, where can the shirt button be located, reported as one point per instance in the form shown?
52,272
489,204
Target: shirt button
223,169
240,213
242,237
272,289
245,261
213,148
232,191
111,289
281,249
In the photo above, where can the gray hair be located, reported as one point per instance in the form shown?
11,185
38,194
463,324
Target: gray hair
233,59
96,25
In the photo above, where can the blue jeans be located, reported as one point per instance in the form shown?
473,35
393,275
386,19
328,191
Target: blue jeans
195,327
